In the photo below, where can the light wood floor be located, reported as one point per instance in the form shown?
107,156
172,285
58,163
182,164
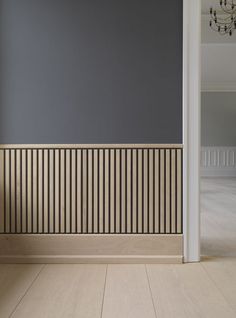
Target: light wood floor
206,289
218,219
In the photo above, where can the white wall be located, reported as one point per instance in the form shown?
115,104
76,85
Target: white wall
218,59
218,119
209,36
218,134
218,111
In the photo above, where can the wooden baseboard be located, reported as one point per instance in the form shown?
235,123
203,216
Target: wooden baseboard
57,248
101,259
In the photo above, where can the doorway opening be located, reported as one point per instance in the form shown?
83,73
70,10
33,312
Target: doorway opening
218,135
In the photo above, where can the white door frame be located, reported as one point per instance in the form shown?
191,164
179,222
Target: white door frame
191,128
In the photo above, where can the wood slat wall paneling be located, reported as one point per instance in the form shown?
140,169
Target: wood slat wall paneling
88,190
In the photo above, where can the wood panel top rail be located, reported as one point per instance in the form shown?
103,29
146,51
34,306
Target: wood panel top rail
91,146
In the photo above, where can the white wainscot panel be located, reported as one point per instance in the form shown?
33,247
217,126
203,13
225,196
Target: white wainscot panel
218,161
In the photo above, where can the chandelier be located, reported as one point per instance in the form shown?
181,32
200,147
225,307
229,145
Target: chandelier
225,21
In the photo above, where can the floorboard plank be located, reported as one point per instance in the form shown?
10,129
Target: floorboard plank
222,272
65,291
184,291
14,282
218,217
127,293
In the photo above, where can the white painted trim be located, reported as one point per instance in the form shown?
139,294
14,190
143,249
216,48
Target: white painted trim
191,127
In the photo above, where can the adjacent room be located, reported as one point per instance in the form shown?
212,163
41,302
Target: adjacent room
218,137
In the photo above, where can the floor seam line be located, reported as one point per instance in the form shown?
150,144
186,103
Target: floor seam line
27,290
216,286
104,290
150,290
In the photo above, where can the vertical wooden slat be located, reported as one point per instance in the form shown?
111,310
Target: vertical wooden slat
128,191
112,191
123,191
117,193
106,189
134,190
57,194
79,192
2,191
24,191
87,191
29,191
40,191
145,191
51,191
73,191
54,189
62,190
90,192
13,192
179,194
101,191
162,190
157,191
7,191
65,199
167,191
19,191
34,183
45,191
140,192
137,191
70,185
173,191
95,189
68,191
150,192
37,189
84,191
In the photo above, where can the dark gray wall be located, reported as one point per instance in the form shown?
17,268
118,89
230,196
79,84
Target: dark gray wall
89,71
219,119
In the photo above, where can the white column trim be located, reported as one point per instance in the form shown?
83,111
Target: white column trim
191,128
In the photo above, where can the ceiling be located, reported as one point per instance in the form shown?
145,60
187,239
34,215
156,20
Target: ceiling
218,55
206,4
210,37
